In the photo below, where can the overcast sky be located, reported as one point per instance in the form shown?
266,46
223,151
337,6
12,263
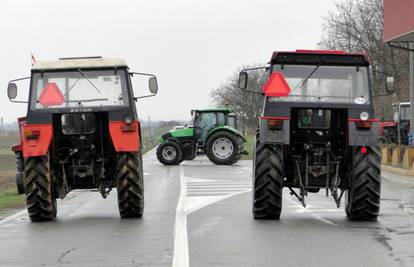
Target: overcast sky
191,45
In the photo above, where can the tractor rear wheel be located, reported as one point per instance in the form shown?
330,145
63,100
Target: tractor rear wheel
130,185
40,200
170,153
223,148
363,196
268,174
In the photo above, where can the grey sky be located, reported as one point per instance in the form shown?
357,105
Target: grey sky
192,46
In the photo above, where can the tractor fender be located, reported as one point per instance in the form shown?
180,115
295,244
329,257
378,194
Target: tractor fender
167,137
172,139
125,138
36,139
359,137
228,129
19,147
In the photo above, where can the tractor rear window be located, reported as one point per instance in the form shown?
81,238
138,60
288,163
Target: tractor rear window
337,84
83,88
314,118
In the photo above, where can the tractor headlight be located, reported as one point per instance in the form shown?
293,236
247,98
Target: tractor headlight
128,120
364,116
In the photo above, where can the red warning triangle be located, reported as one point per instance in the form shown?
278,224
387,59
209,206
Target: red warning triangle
276,85
51,96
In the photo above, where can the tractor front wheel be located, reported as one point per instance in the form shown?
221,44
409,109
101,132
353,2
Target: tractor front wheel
20,173
363,196
170,153
268,174
223,148
41,203
130,185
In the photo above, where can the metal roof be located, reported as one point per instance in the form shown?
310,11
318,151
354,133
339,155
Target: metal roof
76,63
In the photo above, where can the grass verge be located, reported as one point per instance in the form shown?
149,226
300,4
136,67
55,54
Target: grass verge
10,199
249,147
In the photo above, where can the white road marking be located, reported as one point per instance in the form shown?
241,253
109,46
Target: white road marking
14,216
180,256
199,202
195,194
300,209
24,213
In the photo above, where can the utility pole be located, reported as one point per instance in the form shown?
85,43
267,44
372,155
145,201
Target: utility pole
149,126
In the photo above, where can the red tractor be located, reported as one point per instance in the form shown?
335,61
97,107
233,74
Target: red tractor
396,131
81,132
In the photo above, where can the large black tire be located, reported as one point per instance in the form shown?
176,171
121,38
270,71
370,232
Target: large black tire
231,158
130,185
40,199
171,147
21,188
363,196
268,174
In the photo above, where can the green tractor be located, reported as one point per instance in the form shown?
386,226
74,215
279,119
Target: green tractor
214,133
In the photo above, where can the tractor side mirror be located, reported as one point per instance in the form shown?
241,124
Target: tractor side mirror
12,91
390,85
243,78
153,85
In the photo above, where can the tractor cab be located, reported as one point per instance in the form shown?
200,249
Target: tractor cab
206,120
232,120
208,126
402,114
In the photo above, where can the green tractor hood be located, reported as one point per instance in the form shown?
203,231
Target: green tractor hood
186,132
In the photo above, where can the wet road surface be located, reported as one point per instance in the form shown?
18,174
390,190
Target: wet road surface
199,214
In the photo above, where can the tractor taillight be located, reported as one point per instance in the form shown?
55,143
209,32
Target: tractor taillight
275,123
364,150
128,128
31,134
363,124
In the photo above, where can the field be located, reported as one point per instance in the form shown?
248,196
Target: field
8,193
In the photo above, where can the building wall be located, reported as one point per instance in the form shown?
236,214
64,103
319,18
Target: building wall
398,20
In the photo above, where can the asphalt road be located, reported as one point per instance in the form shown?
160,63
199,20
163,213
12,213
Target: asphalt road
199,214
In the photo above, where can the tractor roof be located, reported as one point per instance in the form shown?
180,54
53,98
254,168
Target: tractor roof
323,57
225,110
79,62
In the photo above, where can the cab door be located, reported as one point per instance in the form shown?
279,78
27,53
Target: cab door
206,121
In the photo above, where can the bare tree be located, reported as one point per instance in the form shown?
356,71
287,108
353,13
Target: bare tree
246,105
357,26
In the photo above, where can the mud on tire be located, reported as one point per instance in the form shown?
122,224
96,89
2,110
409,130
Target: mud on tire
268,176
225,135
40,200
173,146
130,185
363,196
